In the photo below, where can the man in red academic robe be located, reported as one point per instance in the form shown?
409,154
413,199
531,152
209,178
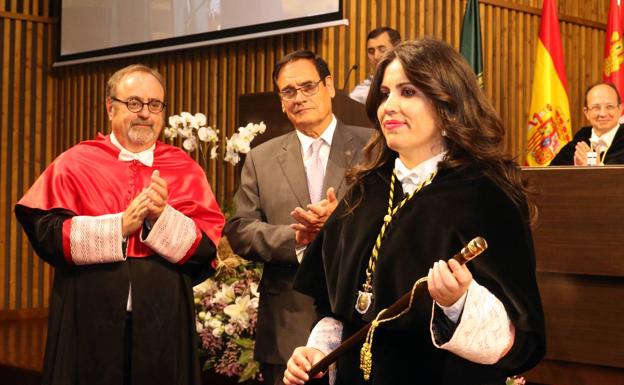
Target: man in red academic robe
129,224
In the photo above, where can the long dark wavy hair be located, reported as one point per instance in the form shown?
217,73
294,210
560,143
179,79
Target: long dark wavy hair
473,130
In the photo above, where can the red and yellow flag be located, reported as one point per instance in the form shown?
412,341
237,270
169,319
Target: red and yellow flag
614,48
549,117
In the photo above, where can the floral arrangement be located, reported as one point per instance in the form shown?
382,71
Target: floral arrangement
515,380
226,308
197,135
226,304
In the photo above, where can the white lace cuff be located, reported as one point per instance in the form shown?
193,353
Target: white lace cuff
326,336
484,333
96,239
172,236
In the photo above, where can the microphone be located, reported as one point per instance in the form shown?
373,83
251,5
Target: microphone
351,69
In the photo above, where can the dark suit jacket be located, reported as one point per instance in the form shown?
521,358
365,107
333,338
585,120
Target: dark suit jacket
615,153
273,183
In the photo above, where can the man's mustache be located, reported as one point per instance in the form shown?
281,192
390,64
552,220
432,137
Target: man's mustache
139,122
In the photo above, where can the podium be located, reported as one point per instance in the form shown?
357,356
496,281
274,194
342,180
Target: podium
266,107
579,244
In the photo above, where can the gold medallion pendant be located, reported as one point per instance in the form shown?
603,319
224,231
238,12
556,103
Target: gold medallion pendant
364,300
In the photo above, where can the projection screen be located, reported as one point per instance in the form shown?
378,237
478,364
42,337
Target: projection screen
104,29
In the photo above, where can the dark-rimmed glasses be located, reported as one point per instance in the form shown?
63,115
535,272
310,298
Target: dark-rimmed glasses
307,89
136,105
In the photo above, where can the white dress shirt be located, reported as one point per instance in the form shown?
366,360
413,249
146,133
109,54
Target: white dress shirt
147,158
602,143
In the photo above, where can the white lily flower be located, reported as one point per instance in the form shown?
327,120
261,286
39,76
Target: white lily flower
185,119
190,144
170,133
232,157
208,285
192,122
174,121
226,294
207,134
238,310
214,152
254,289
185,132
201,119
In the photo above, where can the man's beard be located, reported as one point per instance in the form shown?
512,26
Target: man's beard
139,134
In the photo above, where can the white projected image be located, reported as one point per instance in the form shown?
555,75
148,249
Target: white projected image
90,25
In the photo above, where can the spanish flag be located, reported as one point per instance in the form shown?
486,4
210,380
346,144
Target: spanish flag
549,117
614,49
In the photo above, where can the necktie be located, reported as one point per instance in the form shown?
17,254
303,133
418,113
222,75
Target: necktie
315,171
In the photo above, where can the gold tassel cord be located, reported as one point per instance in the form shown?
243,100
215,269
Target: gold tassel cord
366,353
365,296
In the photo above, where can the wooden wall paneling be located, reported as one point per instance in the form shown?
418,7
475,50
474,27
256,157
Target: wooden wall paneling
353,43
342,62
24,163
382,14
212,95
402,17
331,57
24,112
36,118
13,165
221,111
518,90
209,79
361,23
4,131
49,141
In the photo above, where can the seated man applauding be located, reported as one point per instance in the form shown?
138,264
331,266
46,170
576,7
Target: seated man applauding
604,140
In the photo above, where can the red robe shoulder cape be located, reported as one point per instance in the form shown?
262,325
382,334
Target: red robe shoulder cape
88,179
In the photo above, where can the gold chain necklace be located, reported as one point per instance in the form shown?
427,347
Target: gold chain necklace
365,296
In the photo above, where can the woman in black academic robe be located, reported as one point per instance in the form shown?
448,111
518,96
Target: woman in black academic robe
480,322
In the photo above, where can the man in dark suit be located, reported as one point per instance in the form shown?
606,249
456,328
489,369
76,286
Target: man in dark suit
279,179
604,138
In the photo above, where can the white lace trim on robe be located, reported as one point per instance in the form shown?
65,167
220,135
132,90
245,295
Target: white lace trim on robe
96,239
172,236
326,337
484,333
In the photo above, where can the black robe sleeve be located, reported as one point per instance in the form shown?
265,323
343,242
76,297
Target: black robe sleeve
44,229
565,156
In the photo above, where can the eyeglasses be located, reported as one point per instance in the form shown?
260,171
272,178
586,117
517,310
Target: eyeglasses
307,89
135,105
597,108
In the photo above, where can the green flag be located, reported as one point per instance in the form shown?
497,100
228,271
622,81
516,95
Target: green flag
470,46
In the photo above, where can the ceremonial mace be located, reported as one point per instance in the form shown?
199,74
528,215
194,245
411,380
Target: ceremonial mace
469,252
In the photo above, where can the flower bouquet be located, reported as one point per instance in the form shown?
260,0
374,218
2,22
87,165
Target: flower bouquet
197,135
226,308
515,380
